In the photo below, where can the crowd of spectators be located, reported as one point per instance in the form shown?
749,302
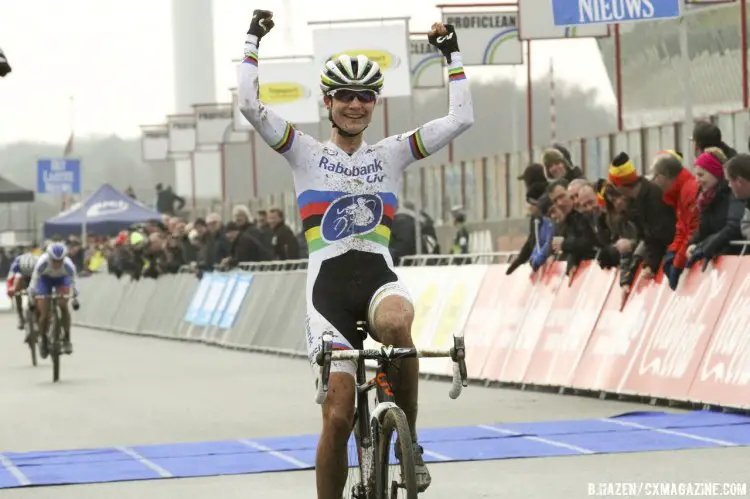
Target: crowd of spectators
670,219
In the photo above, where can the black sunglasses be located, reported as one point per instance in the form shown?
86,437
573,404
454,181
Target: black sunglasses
345,95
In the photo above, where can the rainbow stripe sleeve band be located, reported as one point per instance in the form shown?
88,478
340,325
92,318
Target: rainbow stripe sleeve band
286,141
456,74
417,146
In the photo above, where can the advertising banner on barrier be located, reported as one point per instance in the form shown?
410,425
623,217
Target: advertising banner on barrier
198,298
426,63
428,289
569,325
226,294
464,282
291,87
213,296
618,335
386,43
154,142
181,133
504,331
487,311
211,122
675,341
521,352
723,376
487,38
235,302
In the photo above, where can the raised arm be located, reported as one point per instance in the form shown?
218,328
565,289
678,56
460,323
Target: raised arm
436,134
275,130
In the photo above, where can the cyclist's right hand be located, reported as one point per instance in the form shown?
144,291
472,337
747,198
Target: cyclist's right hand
261,24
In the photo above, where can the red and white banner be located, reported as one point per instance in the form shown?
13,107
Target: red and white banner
723,376
569,325
546,328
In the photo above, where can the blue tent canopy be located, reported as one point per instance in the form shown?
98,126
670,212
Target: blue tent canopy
105,212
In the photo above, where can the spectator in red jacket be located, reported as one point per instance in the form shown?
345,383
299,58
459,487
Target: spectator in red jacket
681,192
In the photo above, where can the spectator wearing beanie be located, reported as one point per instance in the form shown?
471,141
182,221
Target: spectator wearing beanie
536,216
680,192
720,212
556,166
653,218
707,135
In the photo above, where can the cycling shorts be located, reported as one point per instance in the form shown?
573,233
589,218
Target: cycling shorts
46,284
342,291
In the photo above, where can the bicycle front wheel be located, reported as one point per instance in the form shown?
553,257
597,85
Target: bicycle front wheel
394,481
31,334
54,345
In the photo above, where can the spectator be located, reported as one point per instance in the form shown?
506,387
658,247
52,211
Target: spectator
720,212
221,246
461,239
707,135
262,220
284,241
403,232
245,247
130,192
537,217
241,216
575,240
623,237
738,174
680,192
653,218
533,174
166,200
557,166
573,188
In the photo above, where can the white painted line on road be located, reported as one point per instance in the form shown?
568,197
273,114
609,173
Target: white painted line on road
547,441
671,432
276,454
149,464
436,455
8,465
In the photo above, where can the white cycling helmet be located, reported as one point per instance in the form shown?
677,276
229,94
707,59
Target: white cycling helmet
57,251
355,73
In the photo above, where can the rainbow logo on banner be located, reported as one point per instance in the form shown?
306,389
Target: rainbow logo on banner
496,42
419,68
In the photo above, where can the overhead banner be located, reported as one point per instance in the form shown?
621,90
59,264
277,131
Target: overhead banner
538,23
154,142
386,43
567,13
426,63
487,38
181,133
212,122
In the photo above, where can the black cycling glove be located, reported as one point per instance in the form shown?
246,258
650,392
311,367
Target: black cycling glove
4,66
447,44
261,24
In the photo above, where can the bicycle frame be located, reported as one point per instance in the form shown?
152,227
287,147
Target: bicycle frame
368,425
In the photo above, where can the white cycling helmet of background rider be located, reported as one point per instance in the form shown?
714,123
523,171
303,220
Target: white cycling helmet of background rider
57,251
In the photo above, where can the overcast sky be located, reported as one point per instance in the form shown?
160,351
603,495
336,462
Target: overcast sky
115,58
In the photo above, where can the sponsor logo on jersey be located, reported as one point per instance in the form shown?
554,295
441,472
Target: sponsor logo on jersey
351,215
372,172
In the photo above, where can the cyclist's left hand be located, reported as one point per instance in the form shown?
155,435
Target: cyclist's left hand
444,37
75,304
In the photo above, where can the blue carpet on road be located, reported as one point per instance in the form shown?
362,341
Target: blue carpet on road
630,432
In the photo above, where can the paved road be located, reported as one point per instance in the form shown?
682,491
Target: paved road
122,390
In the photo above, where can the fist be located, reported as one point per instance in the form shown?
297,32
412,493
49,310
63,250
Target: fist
438,29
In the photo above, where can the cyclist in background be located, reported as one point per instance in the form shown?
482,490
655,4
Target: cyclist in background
346,192
54,270
18,280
